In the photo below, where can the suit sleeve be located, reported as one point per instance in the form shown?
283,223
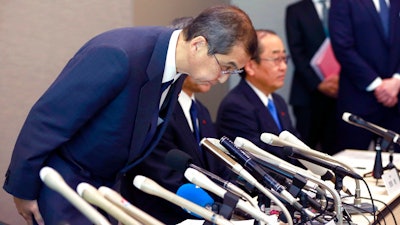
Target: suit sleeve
89,81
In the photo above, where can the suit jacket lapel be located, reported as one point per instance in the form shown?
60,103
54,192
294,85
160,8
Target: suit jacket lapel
146,150
369,5
312,16
149,96
261,109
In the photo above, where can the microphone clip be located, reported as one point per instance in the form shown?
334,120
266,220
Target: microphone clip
227,208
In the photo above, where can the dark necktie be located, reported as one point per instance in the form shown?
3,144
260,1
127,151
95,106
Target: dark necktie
274,113
384,14
161,113
325,17
194,116
165,85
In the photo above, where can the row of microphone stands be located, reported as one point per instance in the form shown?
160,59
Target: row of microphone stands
305,192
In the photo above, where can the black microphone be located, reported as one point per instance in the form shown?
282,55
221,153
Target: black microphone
294,153
180,161
385,133
249,163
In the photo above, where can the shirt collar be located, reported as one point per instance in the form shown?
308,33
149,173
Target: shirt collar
264,98
170,64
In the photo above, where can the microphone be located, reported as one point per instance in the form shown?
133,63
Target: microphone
179,160
268,180
149,186
238,169
277,162
287,136
249,163
295,153
115,198
274,140
203,181
196,195
358,121
92,195
54,181
266,156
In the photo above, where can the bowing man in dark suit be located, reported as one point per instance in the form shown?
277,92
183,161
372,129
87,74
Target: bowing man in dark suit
244,112
184,131
180,134
105,112
313,100
365,37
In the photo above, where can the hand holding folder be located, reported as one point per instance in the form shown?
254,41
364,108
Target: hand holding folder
324,62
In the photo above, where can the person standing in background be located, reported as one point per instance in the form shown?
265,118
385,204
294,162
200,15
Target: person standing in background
365,37
313,99
252,107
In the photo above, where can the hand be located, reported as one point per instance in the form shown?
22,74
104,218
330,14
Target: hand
330,86
387,92
28,209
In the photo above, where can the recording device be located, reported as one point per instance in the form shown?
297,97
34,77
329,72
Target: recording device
297,143
180,161
274,140
149,186
196,195
115,198
386,134
238,169
295,153
92,195
54,181
203,181
249,163
277,162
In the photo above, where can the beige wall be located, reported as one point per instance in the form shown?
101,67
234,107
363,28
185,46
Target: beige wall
37,39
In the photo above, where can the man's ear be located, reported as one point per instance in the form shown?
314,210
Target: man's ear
198,42
249,67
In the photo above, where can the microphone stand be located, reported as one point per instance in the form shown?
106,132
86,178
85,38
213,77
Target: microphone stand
390,165
382,145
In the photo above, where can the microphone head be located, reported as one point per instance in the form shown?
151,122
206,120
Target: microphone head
271,139
240,142
82,187
196,195
217,143
293,140
139,181
346,116
178,160
45,171
51,178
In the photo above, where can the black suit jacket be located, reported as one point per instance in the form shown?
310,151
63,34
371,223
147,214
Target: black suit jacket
96,115
242,114
177,136
305,34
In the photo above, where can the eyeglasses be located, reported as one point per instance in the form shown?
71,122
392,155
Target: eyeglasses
278,60
227,72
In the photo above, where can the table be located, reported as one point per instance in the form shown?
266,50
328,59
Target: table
362,161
